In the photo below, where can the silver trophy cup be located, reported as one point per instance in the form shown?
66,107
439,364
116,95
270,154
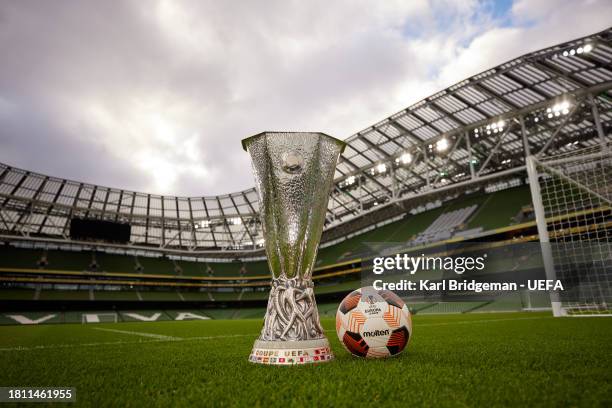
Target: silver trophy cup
294,174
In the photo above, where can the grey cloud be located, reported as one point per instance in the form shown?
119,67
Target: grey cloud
117,93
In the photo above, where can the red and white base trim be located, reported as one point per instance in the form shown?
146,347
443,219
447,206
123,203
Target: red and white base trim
291,352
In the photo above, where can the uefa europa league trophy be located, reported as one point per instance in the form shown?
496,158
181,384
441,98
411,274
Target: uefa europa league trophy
294,173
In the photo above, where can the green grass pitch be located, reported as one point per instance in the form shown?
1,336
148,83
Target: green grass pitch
526,359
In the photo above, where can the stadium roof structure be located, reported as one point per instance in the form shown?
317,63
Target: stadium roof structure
471,135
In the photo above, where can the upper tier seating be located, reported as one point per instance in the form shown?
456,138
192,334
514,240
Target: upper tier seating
477,213
442,228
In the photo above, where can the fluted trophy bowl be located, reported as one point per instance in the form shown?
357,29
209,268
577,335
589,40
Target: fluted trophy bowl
294,174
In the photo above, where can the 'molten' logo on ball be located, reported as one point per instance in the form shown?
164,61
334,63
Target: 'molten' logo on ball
376,333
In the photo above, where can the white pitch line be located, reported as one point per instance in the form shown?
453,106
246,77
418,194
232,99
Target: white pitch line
60,346
135,333
120,342
163,339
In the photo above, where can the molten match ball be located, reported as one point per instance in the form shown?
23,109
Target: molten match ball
373,324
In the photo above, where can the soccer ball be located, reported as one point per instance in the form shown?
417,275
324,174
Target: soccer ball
373,324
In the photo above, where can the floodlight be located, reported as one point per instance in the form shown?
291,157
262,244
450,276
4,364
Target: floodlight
406,158
381,168
442,145
588,48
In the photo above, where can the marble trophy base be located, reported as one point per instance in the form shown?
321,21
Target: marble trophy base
279,352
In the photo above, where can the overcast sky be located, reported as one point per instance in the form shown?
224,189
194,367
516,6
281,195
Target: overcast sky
155,96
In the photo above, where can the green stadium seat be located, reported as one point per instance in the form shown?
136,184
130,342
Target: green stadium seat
249,313
159,295
69,260
156,266
17,294
191,268
347,287
19,258
196,296
255,295
54,294
219,314
226,268
115,263
225,296
258,268
115,295
500,207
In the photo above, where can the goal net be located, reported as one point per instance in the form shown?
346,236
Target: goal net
99,317
571,196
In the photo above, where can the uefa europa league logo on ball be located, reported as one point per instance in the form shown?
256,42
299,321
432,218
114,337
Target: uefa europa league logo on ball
294,175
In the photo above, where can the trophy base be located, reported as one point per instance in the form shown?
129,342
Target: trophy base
291,352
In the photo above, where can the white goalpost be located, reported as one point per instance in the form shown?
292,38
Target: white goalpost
572,202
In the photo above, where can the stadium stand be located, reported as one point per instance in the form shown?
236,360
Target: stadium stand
447,217
187,250
17,294
442,228
124,295
195,296
501,208
159,265
56,294
189,268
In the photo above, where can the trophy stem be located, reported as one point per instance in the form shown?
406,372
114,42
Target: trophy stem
292,332
292,312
